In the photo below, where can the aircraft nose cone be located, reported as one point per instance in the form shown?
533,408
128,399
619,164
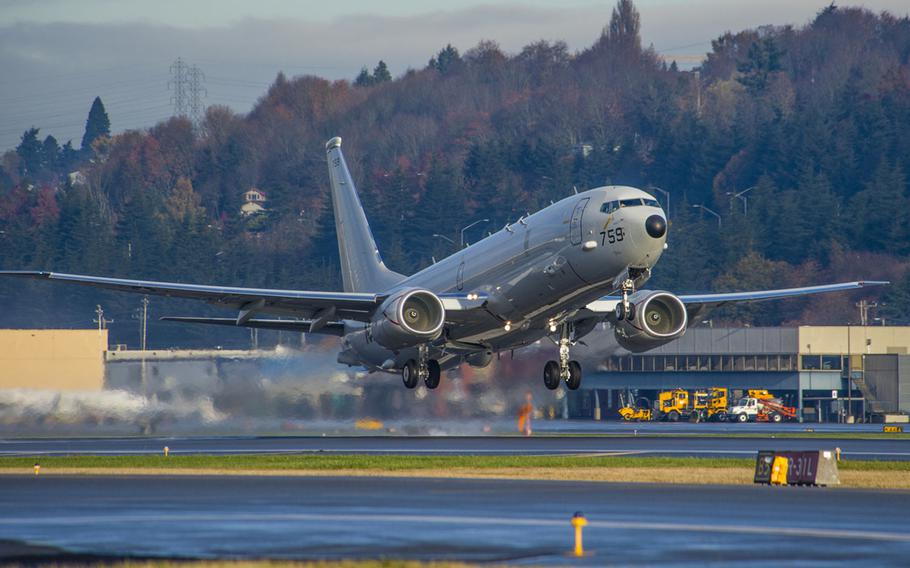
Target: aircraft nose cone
656,226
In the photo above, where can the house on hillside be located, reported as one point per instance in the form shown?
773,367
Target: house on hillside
254,200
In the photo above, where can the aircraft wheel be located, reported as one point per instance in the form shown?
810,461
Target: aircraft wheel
409,374
433,374
574,380
551,375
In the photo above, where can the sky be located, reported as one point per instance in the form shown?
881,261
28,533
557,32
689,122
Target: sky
57,55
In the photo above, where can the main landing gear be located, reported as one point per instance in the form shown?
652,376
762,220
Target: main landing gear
565,369
423,368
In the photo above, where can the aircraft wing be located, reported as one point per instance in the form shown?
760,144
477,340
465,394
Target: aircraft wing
321,306
700,303
298,325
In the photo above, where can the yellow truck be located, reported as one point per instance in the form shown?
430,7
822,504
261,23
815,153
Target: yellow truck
634,412
699,406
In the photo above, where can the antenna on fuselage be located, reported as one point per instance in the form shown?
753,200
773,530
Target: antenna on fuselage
575,189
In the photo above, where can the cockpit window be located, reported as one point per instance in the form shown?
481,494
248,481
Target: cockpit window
611,206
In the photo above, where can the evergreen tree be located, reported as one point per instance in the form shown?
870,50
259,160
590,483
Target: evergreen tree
50,153
764,59
30,152
364,79
381,73
446,61
96,125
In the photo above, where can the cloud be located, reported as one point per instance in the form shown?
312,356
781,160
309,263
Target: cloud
52,71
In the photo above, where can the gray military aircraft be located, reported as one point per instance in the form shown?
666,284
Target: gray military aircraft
554,274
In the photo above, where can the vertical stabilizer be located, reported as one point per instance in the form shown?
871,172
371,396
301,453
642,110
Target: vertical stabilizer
362,269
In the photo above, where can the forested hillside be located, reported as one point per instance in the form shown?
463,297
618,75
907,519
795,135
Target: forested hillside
813,121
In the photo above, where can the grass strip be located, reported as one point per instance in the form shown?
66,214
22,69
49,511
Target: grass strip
328,463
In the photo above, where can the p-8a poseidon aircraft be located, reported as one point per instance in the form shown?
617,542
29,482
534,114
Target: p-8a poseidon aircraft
554,274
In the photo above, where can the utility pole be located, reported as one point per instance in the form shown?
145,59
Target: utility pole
864,308
145,318
99,318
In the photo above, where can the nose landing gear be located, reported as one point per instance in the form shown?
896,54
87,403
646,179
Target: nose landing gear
565,369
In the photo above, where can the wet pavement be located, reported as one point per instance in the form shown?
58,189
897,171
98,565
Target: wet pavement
513,521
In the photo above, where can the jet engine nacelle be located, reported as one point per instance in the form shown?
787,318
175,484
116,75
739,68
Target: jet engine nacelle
654,318
409,318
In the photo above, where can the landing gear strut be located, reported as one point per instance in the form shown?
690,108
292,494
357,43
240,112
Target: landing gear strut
625,309
423,368
565,369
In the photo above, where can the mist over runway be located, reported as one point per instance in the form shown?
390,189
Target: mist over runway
514,521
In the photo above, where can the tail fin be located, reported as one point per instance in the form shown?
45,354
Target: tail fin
362,269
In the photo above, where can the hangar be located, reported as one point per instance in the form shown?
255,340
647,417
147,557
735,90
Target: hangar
807,366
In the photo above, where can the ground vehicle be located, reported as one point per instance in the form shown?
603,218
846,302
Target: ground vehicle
637,412
698,406
755,409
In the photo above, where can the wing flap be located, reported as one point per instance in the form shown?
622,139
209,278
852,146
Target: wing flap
302,326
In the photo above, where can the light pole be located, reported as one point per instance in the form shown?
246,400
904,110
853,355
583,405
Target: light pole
468,227
739,196
438,236
711,211
666,195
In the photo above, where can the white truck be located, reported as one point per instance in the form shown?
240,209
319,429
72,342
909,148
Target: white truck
751,409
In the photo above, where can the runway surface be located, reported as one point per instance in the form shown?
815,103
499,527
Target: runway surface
719,446
474,520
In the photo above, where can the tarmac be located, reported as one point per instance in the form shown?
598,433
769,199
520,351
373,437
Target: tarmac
719,445
60,518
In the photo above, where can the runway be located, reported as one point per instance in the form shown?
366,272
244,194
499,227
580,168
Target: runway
630,445
513,521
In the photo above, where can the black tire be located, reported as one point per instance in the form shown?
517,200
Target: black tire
742,417
433,374
551,375
721,416
776,418
409,374
620,312
673,416
631,315
574,380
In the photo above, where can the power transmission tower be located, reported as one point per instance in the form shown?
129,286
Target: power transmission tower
188,85
178,84
196,91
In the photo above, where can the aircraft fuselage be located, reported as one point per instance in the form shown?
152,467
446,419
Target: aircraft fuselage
536,270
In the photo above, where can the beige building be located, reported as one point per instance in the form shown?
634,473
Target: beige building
52,359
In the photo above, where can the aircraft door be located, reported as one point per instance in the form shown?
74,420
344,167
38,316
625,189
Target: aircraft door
575,226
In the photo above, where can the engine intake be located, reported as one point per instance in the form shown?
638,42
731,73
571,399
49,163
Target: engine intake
407,319
655,318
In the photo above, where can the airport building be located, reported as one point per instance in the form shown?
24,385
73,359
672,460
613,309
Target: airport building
806,366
